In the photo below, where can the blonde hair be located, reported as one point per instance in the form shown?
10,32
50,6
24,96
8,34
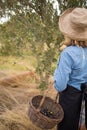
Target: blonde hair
68,41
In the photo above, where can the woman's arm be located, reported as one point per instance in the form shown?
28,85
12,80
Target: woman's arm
62,71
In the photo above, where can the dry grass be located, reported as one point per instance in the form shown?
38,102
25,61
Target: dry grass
17,79
16,120
7,101
14,102
13,115
15,93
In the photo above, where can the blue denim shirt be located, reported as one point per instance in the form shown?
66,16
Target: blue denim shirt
71,68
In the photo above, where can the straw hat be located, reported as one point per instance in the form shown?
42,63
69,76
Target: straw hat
73,23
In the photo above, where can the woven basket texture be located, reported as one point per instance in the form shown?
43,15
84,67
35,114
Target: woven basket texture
41,120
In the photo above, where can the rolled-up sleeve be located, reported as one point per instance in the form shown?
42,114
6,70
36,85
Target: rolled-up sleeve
63,71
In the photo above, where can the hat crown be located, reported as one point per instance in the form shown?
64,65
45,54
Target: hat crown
78,17
73,23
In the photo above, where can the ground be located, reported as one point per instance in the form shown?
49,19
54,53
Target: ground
16,91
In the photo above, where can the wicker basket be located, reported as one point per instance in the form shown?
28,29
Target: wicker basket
35,112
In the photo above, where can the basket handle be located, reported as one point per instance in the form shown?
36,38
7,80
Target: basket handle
42,100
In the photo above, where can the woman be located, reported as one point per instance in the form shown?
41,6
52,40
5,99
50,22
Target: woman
70,75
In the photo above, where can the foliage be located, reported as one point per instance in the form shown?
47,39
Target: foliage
36,31
43,85
64,4
33,26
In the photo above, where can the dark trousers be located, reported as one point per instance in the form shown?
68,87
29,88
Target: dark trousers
70,100
84,92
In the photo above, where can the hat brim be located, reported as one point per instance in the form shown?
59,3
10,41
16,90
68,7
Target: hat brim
67,30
